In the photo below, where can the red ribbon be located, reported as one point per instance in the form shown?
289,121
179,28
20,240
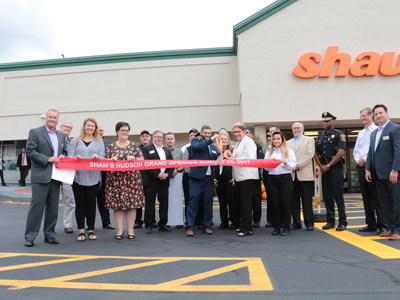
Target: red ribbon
124,165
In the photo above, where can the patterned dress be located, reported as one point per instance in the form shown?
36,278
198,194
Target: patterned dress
124,190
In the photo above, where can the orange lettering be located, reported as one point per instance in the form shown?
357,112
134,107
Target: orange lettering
331,57
308,66
386,68
367,64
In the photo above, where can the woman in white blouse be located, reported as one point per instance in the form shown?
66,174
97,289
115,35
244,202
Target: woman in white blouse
280,184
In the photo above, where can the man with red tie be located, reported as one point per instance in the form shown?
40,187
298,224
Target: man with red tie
23,165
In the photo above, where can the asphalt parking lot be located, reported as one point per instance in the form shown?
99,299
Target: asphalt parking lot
304,265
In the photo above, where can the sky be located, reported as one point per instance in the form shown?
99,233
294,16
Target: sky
47,29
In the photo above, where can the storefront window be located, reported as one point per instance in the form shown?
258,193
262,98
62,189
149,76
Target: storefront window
9,151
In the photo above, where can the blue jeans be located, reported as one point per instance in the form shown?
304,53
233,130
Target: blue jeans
200,190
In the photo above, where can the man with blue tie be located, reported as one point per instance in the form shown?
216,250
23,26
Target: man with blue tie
382,167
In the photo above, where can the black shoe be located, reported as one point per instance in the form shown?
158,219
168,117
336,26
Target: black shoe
29,244
256,225
382,230
149,230
310,228
223,226
275,232
367,229
108,226
295,227
51,240
164,228
341,228
232,227
285,231
5,184
137,226
268,225
328,226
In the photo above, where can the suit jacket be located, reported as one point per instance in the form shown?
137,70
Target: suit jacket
202,150
149,177
39,149
386,157
19,161
304,155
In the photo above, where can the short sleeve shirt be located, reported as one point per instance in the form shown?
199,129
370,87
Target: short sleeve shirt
327,145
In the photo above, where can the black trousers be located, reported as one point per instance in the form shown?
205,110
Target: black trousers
23,173
85,208
101,202
2,178
303,197
228,209
150,194
374,217
244,191
389,199
257,202
332,191
280,192
269,214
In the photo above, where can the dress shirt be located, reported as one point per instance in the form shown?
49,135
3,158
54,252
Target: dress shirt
245,149
24,161
363,142
54,140
282,168
161,154
184,147
296,140
379,133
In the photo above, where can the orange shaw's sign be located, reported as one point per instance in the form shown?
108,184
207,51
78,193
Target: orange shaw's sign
366,64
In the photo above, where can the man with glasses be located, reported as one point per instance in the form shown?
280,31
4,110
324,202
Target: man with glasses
156,183
329,152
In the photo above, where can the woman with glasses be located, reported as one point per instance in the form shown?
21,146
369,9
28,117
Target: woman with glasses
124,190
86,183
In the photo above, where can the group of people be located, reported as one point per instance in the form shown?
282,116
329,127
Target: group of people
289,186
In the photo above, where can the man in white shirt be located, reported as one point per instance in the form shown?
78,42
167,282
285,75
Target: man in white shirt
373,213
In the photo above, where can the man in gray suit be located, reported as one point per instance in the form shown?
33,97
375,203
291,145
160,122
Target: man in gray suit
45,146
383,165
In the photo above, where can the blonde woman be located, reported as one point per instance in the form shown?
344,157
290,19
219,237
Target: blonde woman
280,184
86,183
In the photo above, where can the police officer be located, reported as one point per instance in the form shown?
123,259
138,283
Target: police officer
329,151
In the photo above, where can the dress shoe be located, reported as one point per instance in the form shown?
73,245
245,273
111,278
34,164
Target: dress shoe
395,236
29,244
275,232
5,184
295,227
189,233
51,240
341,227
386,234
223,226
284,231
256,224
268,225
382,230
149,230
137,226
68,230
108,226
207,231
328,226
310,228
164,229
367,229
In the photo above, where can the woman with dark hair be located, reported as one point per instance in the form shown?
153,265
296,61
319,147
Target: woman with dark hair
86,183
280,184
124,190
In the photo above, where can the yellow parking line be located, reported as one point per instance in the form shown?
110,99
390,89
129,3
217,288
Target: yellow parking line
42,263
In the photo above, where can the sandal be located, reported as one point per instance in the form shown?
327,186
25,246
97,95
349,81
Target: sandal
81,237
92,236
131,236
119,237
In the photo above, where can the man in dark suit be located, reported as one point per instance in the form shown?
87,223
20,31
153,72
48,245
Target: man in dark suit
45,146
201,181
23,165
156,183
383,165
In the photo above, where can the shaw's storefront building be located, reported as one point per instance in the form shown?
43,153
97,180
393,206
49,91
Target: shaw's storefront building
290,62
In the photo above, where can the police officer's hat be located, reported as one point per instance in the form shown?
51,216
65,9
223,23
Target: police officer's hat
327,116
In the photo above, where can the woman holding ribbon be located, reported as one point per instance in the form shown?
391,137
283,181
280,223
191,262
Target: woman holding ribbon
280,184
124,190
86,183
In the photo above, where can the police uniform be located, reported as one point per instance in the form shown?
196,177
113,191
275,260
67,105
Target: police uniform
326,148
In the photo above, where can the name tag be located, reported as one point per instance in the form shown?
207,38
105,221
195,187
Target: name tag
151,151
385,138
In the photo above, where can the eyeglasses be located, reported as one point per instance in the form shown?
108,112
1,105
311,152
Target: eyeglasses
68,127
124,130
157,136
